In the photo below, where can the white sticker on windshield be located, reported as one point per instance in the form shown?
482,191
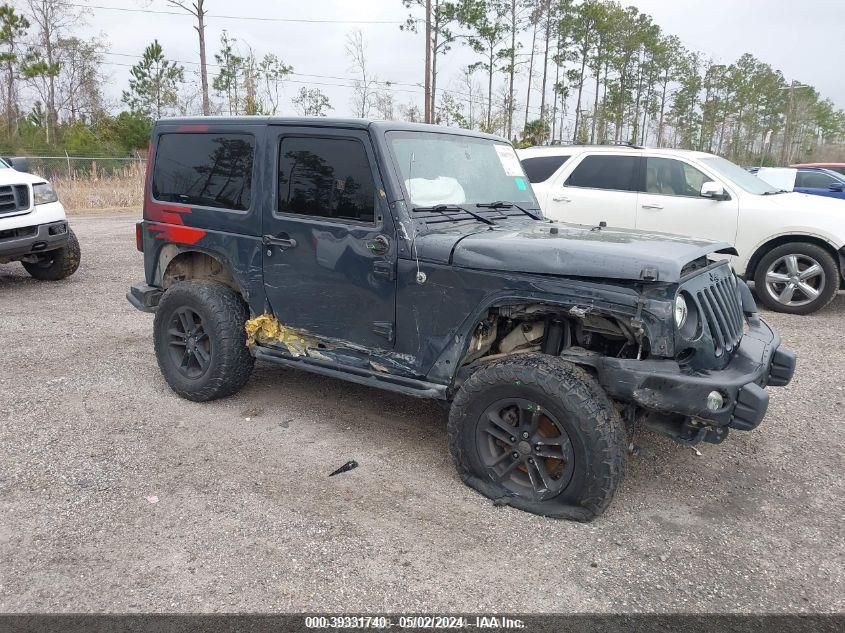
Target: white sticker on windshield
509,160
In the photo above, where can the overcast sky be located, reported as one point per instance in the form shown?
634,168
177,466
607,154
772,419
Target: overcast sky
803,39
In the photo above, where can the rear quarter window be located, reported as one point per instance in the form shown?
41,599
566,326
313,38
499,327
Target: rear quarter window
541,168
204,169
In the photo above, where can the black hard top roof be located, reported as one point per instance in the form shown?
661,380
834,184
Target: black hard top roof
329,122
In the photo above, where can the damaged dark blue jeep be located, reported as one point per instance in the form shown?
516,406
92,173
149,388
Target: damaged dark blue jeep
415,258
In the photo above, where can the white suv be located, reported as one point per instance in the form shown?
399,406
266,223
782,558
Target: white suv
33,226
789,244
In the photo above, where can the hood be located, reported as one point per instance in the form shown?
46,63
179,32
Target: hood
798,213
9,176
571,250
803,202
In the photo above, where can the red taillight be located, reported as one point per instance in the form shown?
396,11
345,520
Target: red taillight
139,236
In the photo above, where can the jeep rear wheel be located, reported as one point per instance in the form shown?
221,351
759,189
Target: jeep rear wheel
796,278
200,341
57,264
538,433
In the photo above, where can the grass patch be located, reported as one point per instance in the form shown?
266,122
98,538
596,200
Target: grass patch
120,189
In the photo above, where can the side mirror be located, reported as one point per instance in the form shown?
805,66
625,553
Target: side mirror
836,186
713,190
18,163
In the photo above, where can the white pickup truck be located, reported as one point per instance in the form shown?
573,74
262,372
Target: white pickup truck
33,226
792,245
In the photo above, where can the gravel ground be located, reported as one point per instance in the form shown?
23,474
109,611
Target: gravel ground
246,518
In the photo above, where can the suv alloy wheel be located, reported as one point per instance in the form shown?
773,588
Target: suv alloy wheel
796,278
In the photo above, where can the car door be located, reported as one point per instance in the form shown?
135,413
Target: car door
599,187
671,202
329,242
818,183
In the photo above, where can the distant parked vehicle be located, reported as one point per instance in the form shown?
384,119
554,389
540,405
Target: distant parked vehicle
33,226
792,245
839,168
812,180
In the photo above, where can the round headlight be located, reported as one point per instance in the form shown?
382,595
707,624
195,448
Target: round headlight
681,311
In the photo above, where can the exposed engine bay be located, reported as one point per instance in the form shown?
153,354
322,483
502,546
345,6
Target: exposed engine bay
553,330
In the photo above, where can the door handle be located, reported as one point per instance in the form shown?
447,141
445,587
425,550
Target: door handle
282,242
652,206
561,199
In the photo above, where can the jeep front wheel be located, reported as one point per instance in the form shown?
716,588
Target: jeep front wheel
57,264
200,341
539,434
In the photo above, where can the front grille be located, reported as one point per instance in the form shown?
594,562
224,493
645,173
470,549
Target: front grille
722,309
13,198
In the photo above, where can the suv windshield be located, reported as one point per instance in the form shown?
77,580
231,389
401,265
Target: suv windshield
450,169
739,176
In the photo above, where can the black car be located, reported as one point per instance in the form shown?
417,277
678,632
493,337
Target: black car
414,258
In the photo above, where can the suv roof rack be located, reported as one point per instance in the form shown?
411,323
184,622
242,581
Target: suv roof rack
558,143
627,144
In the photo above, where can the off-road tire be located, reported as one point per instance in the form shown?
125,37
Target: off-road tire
57,264
223,313
595,429
828,264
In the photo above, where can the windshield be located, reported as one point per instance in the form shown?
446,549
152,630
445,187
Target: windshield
737,175
833,174
451,169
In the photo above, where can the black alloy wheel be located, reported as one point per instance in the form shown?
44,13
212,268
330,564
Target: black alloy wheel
525,448
189,345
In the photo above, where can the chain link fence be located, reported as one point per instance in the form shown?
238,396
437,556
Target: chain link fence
93,182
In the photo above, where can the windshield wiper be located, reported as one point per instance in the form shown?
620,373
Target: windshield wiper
774,193
501,204
446,208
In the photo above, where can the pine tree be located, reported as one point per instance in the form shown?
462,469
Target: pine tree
153,83
13,28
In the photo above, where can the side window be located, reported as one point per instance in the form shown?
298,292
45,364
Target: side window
670,177
813,180
326,177
605,172
210,170
541,168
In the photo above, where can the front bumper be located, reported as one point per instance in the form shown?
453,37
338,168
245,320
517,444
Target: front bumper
32,240
665,387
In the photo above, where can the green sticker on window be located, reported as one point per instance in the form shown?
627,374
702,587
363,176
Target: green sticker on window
520,184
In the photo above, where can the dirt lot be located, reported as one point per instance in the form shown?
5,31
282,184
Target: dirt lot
247,519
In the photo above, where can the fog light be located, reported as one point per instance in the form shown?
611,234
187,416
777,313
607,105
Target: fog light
715,401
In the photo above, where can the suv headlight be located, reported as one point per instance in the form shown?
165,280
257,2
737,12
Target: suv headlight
681,311
43,193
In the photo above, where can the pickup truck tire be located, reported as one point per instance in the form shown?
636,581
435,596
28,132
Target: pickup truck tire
57,264
542,400
785,270
200,341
